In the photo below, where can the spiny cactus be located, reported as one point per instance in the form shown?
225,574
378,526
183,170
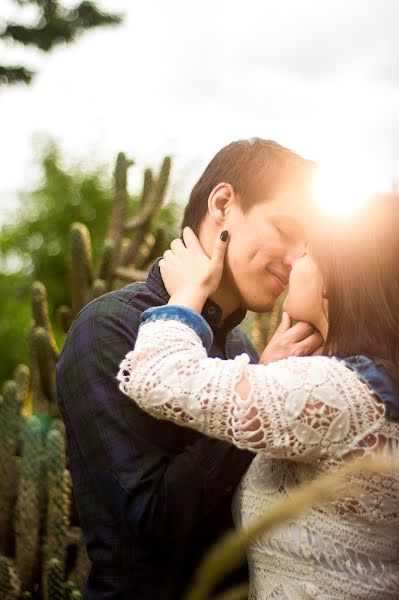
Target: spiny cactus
40,314
58,497
55,581
9,582
71,591
81,267
10,416
129,247
22,379
149,207
28,505
43,354
120,208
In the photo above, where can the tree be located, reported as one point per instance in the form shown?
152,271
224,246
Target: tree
54,24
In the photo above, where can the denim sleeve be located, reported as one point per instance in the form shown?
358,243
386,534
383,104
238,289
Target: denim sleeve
184,315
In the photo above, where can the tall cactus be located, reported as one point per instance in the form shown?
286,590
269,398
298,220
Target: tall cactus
139,224
81,266
28,505
9,581
58,502
10,416
55,582
40,314
120,208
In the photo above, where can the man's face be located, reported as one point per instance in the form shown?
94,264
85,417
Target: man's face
263,244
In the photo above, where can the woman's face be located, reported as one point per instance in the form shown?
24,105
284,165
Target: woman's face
304,301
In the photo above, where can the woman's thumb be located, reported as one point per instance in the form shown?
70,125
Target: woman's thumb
219,250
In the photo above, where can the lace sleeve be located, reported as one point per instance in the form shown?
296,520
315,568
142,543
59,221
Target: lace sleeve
297,408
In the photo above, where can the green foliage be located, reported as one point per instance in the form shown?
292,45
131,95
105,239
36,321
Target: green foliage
54,24
35,245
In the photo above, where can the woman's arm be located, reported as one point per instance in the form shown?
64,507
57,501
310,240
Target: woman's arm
298,408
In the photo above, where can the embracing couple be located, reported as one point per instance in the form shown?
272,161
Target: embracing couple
173,422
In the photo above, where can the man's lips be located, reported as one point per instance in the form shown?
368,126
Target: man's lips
281,278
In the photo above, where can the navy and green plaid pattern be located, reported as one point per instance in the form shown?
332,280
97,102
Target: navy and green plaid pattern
151,496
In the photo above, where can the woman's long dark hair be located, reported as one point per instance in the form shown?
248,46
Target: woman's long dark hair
359,261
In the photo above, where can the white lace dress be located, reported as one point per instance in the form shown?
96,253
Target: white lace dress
302,417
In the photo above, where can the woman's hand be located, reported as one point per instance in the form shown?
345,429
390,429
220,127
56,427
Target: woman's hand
301,339
189,275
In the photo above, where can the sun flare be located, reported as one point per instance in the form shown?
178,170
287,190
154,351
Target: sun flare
341,191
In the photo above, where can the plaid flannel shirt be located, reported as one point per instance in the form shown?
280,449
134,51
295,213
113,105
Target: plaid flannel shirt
151,496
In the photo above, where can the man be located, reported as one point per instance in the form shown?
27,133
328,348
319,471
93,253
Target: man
152,496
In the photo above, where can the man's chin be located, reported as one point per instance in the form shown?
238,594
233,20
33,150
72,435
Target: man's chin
261,307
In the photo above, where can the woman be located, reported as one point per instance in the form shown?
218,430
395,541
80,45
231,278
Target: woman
301,416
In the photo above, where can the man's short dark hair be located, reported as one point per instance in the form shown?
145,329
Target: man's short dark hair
255,168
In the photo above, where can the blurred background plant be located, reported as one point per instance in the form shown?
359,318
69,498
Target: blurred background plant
34,245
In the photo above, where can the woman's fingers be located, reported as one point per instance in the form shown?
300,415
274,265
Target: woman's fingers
191,241
168,256
219,251
177,246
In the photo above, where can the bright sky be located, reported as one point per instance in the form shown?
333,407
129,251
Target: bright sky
186,78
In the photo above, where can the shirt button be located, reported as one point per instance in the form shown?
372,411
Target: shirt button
211,310
229,488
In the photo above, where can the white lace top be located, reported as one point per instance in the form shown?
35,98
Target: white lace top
302,417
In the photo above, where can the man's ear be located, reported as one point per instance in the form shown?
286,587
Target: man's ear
219,201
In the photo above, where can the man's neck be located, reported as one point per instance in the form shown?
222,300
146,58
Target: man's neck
226,300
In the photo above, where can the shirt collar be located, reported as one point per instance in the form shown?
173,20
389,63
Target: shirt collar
211,312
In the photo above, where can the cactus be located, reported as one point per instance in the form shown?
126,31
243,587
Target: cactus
81,266
107,262
58,497
9,582
46,365
10,415
120,208
140,223
99,288
40,314
22,379
65,317
28,506
55,581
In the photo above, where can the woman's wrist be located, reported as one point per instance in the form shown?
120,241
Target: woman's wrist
190,298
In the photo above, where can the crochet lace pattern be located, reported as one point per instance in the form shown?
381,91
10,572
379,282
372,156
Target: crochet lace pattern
302,417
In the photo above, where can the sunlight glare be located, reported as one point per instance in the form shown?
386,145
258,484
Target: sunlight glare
340,191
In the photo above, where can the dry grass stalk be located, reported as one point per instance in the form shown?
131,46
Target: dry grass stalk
230,551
